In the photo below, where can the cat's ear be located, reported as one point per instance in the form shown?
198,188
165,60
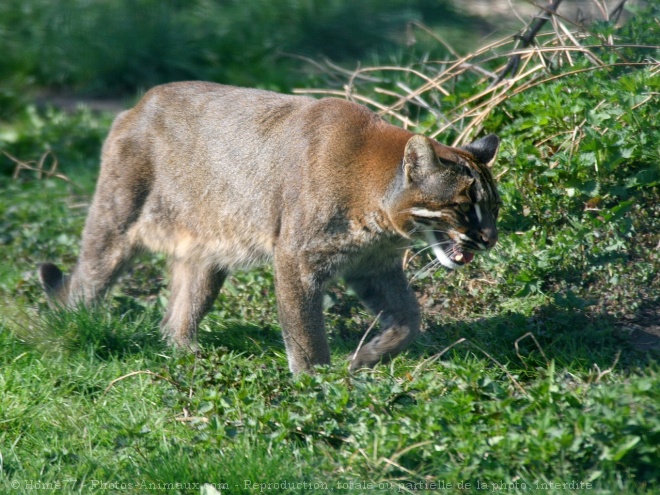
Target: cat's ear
484,149
419,158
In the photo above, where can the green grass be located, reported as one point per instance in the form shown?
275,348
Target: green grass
230,416
120,46
527,378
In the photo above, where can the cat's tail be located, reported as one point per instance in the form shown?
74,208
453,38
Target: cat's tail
54,283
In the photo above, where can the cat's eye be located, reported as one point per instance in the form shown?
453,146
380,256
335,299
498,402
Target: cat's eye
464,207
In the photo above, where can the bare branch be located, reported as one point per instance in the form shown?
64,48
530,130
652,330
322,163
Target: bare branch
527,38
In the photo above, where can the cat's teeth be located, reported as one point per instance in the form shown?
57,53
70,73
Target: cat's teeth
458,257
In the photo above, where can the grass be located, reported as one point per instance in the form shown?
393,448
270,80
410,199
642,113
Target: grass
528,378
119,46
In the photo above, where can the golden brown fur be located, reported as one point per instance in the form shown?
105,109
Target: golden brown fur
220,177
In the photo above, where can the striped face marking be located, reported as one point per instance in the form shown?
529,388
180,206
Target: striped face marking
423,212
477,211
451,199
454,233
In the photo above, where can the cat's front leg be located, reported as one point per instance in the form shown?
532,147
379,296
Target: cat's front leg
299,295
387,293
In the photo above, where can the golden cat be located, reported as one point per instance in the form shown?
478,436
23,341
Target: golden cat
221,178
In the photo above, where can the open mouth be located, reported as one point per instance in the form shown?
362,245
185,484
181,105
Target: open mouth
448,252
459,256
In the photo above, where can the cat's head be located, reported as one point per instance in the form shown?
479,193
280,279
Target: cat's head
448,197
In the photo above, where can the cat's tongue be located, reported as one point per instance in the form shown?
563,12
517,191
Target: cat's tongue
462,256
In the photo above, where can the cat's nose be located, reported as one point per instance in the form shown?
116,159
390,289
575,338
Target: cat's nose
489,239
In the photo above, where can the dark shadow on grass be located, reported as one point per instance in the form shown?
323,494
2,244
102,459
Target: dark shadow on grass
571,337
124,326
239,336
644,328
567,332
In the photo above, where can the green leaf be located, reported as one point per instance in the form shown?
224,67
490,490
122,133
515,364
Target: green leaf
625,447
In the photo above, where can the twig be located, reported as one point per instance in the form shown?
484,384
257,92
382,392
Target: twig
461,340
435,36
186,419
501,366
538,346
479,70
527,39
314,63
140,372
398,466
501,174
451,72
349,72
424,77
398,454
437,356
617,11
39,169
643,102
373,324
603,9
609,370
583,49
560,39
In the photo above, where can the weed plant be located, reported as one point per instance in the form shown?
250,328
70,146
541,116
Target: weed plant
530,376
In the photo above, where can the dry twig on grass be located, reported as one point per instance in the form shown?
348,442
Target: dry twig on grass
38,166
139,372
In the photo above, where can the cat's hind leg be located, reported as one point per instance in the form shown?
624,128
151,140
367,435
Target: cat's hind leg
193,289
107,244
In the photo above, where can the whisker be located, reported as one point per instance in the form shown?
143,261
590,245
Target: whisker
437,268
434,265
425,269
411,232
430,246
418,253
